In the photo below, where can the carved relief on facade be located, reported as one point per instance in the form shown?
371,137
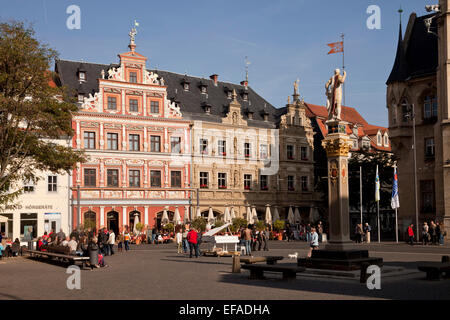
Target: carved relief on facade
156,194
115,74
91,103
90,194
135,194
175,194
112,194
150,77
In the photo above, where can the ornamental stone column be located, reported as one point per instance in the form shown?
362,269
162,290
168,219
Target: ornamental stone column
337,145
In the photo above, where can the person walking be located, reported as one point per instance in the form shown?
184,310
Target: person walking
425,234
443,233
308,232
120,241
248,240
93,253
179,241
254,238
438,233
185,242
314,244
411,234
192,239
367,230
433,232
320,230
111,241
126,239
288,232
148,234
263,236
358,233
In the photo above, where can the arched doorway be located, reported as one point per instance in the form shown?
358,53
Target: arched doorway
159,215
135,217
112,220
90,220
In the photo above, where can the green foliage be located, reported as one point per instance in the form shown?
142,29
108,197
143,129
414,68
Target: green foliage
239,223
219,223
139,226
260,225
169,227
89,224
278,225
33,113
369,161
199,224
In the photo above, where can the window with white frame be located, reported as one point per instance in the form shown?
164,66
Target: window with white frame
52,183
28,186
247,150
222,180
263,154
247,181
204,180
204,146
222,147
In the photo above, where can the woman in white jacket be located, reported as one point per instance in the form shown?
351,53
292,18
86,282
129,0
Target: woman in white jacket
111,241
314,244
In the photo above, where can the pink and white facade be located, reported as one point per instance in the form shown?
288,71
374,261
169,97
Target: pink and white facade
138,149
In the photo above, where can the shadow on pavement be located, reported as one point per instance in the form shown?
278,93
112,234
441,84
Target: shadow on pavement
411,287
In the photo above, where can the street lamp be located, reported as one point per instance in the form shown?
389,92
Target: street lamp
412,114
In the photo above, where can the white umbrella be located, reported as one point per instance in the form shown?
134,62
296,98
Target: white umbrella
186,216
136,221
226,216
276,215
297,216
198,215
268,215
313,215
232,214
210,216
177,217
290,216
165,217
249,216
254,215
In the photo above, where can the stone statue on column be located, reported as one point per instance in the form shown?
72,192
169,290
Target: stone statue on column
333,91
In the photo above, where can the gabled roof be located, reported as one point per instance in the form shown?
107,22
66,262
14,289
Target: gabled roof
350,115
191,101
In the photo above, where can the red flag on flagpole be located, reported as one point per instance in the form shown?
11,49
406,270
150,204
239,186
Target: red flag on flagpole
336,47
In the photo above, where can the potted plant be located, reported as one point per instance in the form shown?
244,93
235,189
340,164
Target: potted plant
278,225
260,225
199,224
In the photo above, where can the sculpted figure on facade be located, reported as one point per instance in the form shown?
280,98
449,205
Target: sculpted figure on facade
333,91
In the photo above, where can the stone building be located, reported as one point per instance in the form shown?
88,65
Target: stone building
417,99
246,153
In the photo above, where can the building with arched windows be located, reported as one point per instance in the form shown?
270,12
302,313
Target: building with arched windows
418,93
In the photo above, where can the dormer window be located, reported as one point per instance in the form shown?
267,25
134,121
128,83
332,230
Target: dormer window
82,76
203,89
245,96
133,77
229,94
379,139
186,86
207,108
386,140
365,144
250,114
80,98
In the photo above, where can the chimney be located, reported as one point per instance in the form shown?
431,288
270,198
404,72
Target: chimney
214,78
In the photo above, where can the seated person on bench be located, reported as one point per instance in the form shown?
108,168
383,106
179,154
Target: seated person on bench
72,244
15,247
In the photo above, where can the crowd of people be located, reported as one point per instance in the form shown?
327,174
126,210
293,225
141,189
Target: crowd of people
433,233
362,233
9,248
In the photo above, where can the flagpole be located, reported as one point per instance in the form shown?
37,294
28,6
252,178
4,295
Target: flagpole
343,64
378,217
360,192
396,226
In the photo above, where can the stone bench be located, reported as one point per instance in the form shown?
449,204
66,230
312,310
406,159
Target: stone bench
65,256
270,260
257,270
436,270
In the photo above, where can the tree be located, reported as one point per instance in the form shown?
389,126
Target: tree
33,113
369,161
199,223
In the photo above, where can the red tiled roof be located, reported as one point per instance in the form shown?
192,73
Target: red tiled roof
351,116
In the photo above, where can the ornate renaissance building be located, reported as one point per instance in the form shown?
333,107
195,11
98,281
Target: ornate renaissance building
137,143
418,104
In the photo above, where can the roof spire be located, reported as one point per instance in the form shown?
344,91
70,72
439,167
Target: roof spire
399,70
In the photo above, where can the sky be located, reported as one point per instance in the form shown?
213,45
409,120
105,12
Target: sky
283,40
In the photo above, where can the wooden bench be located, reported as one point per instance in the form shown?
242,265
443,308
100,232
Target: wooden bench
270,260
60,254
257,270
436,270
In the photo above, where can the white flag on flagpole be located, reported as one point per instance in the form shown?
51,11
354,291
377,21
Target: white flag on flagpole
377,186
